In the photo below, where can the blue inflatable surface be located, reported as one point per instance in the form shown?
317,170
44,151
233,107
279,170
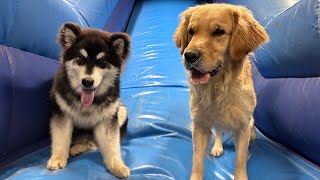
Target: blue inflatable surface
294,30
32,25
158,145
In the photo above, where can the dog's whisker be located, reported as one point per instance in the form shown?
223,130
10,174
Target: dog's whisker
223,67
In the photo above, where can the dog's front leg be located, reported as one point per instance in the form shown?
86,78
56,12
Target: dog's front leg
217,149
108,139
200,138
253,134
61,135
242,137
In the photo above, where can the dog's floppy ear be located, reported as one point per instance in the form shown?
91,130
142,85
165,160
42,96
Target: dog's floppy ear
68,34
247,33
181,35
121,44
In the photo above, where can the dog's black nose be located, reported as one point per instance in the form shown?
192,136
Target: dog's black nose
192,56
87,82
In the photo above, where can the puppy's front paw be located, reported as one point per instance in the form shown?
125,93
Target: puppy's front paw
120,170
56,163
217,151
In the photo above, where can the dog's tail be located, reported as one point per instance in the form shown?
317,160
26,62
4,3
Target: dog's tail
123,120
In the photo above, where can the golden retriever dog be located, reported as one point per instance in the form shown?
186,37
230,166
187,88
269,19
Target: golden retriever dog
214,41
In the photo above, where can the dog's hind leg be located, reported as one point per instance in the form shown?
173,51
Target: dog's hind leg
82,145
82,141
217,149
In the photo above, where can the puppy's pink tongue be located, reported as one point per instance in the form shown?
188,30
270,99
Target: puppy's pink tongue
199,77
87,97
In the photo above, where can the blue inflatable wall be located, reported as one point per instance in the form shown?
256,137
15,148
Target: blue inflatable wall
155,90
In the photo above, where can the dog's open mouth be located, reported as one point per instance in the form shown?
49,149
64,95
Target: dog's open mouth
87,96
198,77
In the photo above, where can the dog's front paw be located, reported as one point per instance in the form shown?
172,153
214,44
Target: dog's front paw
120,170
217,151
56,163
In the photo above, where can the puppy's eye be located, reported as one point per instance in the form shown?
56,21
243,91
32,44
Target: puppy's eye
81,59
102,62
102,59
190,31
219,32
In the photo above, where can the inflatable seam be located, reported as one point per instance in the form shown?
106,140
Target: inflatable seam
11,92
318,18
11,24
77,10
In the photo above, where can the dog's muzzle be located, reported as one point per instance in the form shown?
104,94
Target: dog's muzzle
87,82
192,56
200,77
87,94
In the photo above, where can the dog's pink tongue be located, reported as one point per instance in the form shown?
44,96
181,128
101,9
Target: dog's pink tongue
199,77
87,97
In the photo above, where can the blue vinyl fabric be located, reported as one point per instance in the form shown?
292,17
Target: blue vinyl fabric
118,20
24,112
32,25
158,144
287,111
154,88
294,30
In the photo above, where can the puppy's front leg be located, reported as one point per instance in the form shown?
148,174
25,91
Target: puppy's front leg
61,133
242,137
108,139
200,138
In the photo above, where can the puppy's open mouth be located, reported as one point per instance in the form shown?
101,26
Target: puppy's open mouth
87,97
198,77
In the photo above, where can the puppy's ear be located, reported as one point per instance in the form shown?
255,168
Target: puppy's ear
247,33
68,34
121,44
181,35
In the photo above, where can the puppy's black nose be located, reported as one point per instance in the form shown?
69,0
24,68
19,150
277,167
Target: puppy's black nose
87,82
192,56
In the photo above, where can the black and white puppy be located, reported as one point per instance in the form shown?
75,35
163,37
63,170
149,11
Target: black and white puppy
85,96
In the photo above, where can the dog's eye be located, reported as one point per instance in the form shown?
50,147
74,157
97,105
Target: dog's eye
190,31
219,32
102,59
102,62
81,59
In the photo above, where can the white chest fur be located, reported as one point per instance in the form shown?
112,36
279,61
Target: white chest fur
87,117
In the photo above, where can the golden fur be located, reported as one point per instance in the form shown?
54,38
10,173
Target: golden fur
227,101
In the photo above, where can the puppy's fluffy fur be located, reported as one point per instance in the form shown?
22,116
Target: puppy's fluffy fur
215,40
85,96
